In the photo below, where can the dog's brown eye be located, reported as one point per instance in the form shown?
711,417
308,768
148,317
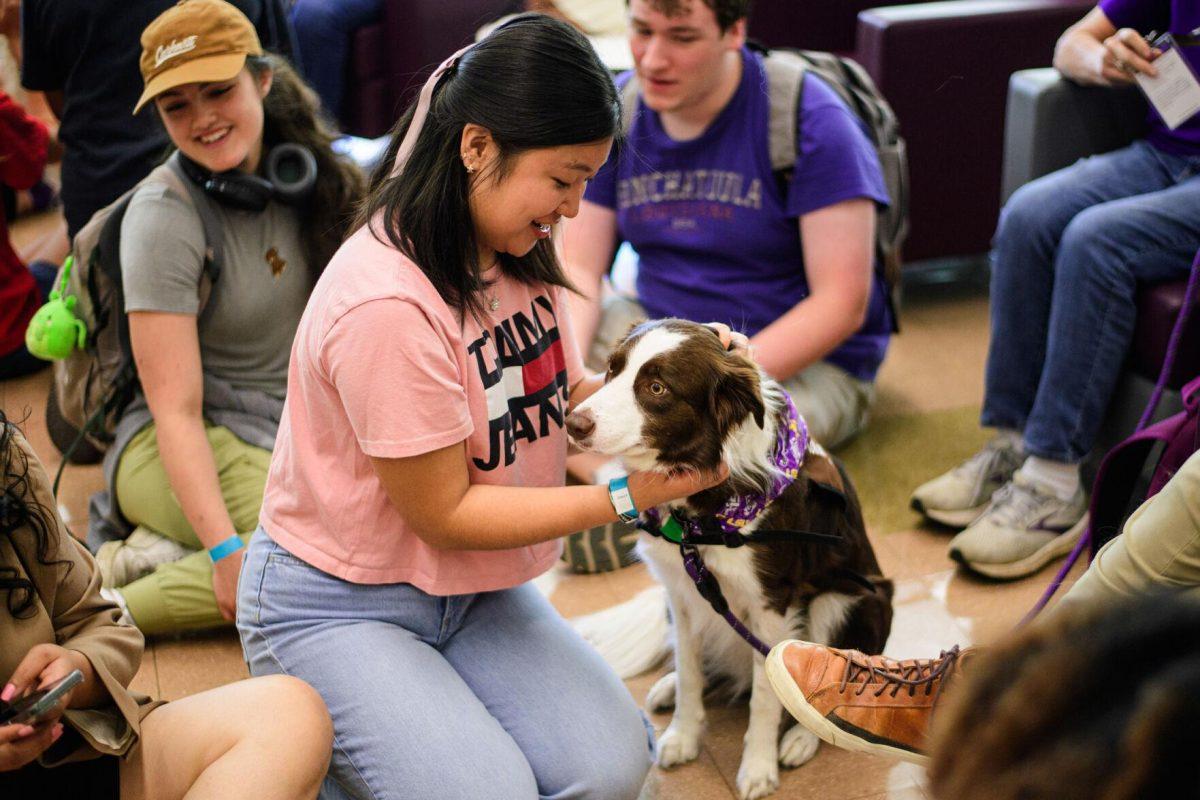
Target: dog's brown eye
657,389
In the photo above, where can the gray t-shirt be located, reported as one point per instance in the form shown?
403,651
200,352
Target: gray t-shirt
246,330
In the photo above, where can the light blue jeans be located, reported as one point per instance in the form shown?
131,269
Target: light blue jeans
467,697
1069,253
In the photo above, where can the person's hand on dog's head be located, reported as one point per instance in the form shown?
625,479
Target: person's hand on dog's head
731,340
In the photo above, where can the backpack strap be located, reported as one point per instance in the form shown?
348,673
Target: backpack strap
629,103
1185,441
106,257
1122,466
213,249
1112,491
785,70
785,82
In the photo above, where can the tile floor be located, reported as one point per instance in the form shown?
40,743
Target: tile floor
936,364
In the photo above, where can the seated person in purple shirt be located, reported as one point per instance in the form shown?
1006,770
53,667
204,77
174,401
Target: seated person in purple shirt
1069,252
718,236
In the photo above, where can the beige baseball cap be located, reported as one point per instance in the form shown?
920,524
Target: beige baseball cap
195,41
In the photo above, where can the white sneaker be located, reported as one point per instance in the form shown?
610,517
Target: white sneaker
958,497
1023,529
125,560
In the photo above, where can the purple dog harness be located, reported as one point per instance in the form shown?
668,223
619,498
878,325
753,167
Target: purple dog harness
725,526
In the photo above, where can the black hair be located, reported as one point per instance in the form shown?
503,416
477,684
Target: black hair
1092,705
22,514
534,82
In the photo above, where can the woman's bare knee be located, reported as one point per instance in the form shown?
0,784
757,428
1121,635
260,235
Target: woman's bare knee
289,706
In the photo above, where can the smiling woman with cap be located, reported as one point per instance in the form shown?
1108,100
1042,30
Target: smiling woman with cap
253,170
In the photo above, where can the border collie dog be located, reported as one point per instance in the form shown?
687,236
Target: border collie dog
675,399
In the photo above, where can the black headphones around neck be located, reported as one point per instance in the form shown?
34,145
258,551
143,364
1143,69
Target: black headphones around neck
291,175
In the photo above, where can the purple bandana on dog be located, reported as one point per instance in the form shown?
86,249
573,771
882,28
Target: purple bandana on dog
791,444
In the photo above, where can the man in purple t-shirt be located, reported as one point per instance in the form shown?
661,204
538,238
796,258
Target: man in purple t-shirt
718,236
1069,252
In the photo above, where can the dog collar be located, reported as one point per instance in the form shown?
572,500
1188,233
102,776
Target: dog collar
791,445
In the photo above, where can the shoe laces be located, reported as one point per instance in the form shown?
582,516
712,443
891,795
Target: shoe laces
892,676
1016,502
995,451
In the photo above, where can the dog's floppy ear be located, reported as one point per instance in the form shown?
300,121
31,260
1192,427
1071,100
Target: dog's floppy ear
824,477
737,395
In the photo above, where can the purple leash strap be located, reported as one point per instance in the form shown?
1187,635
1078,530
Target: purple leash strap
707,584
1164,374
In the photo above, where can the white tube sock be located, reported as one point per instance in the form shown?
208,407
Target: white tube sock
1056,477
1010,437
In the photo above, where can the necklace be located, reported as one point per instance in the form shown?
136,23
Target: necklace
493,299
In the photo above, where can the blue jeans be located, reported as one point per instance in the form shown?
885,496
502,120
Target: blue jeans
324,31
1069,252
467,696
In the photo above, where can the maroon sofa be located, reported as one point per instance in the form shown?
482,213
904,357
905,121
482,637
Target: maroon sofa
944,67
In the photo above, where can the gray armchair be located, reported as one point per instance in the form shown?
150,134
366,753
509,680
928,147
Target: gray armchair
1050,123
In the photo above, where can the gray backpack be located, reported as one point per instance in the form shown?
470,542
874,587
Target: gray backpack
93,385
785,80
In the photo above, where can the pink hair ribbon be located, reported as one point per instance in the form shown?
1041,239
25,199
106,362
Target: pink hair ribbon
423,103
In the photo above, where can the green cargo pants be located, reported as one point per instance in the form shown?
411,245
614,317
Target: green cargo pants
179,596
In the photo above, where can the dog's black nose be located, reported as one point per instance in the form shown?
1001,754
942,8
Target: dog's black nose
580,425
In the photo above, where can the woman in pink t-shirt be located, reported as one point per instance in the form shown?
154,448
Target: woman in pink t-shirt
417,480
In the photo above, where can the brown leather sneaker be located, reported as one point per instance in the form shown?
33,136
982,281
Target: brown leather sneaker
870,704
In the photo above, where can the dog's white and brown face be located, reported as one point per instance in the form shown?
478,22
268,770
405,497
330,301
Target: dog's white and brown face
675,399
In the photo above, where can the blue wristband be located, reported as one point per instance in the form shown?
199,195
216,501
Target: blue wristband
230,545
621,499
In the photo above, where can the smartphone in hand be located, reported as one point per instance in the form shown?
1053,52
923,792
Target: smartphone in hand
31,708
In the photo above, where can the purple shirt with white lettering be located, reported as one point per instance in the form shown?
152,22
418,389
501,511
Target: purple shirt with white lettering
716,233
1179,17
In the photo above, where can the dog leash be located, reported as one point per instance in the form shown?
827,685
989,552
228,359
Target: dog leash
710,590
